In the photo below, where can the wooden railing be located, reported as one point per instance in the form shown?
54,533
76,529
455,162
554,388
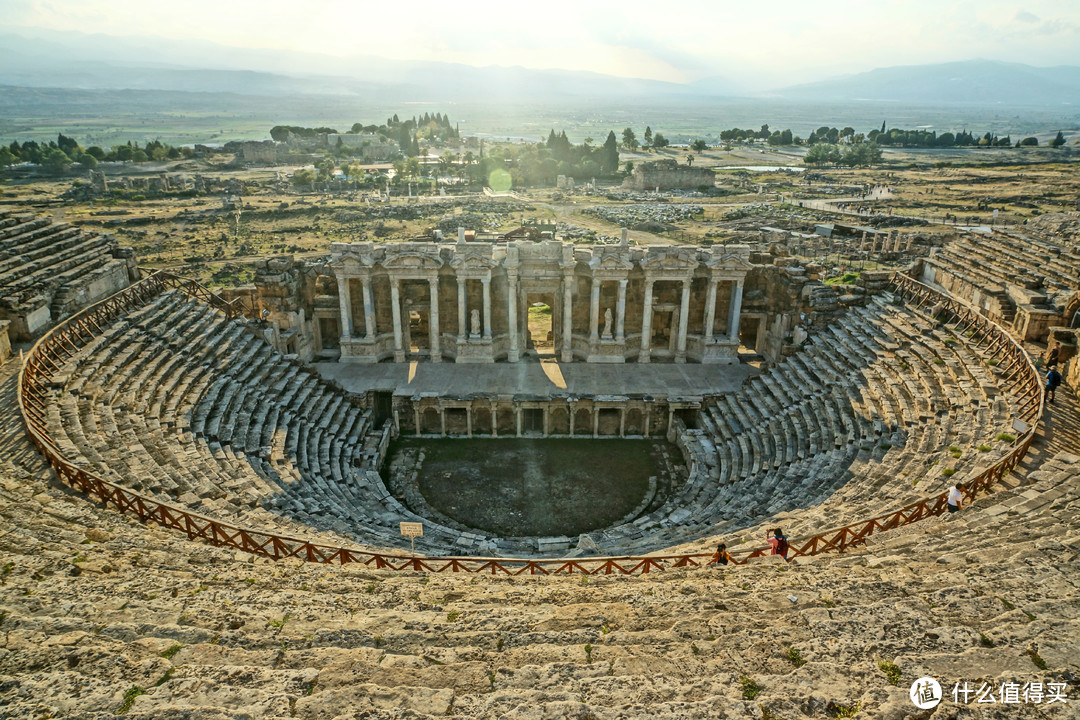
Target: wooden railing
46,361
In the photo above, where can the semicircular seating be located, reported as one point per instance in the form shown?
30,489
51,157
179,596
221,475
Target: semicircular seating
177,401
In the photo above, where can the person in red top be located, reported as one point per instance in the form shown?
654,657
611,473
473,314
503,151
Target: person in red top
777,541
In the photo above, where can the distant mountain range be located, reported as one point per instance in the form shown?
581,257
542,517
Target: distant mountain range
986,82
77,61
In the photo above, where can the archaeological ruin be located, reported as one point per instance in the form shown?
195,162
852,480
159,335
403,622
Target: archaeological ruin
668,175
469,302
282,426
50,270
285,419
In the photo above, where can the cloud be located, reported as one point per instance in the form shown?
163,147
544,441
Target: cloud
1025,17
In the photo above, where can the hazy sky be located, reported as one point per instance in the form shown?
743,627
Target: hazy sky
772,43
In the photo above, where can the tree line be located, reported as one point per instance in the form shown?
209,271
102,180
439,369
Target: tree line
411,134
894,137
530,165
60,154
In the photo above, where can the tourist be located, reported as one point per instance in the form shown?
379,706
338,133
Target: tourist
1052,356
721,557
955,500
777,541
1053,379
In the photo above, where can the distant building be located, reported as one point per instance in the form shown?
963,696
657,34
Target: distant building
668,175
373,147
257,152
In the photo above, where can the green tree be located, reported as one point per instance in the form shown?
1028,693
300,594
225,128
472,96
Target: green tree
1028,142
699,145
123,153
56,160
822,154
859,155
659,141
1058,141
68,145
447,161
648,136
629,140
303,178
325,168
609,158
87,160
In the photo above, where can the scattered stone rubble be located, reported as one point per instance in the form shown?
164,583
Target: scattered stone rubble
635,216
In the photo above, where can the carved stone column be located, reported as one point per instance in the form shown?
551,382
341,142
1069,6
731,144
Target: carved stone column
369,309
646,323
512,315
568,318
710,310
345,300
594,312
487,307
620,321
461,309
433,320
734,311
395,301
684,317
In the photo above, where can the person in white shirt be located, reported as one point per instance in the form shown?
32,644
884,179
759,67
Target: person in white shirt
956,497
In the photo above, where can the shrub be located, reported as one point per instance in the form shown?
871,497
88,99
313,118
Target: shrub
129,699
848,711
948,472
750,689
167,654
891,670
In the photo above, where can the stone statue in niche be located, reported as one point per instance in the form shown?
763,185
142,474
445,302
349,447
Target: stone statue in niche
798,336
474,322
607,324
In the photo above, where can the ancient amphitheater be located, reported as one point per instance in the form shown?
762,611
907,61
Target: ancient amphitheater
195,523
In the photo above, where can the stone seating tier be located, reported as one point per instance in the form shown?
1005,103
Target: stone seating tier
98,608
179,402
50,269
